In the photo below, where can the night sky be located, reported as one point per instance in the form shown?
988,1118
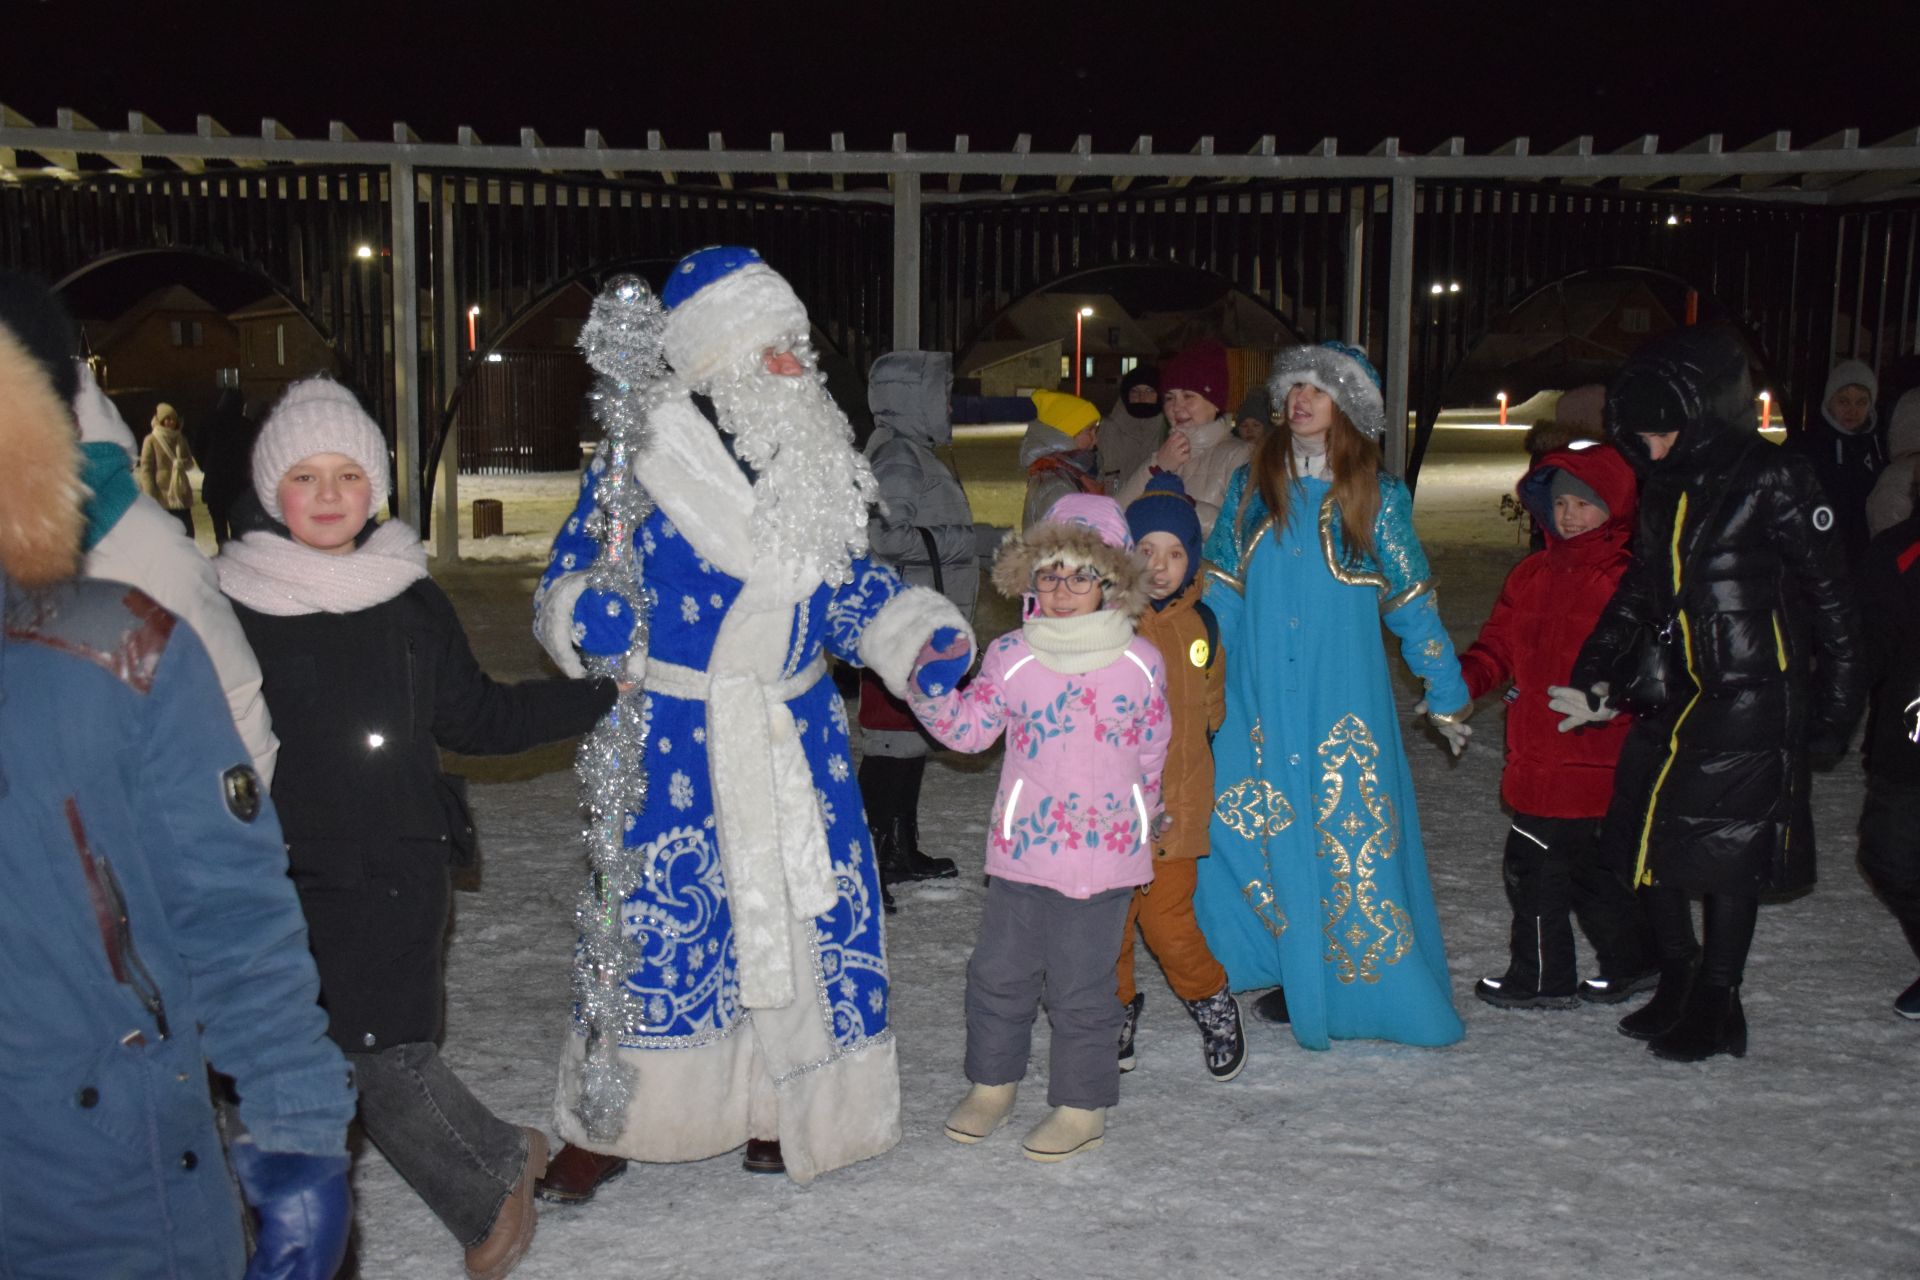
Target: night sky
1357,71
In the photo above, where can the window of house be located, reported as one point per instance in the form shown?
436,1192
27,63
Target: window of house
1635,319
1066,366
1087,372
1128,364
280,343
185,333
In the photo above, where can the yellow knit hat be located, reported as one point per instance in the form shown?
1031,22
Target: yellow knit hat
1069,415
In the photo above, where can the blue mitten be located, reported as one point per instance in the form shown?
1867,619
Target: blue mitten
305,1211
603,623
942,662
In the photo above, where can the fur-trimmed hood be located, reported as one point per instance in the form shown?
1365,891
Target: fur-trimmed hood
41,520
1075,546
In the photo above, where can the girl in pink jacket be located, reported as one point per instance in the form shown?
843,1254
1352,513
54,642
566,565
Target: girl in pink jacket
1082,701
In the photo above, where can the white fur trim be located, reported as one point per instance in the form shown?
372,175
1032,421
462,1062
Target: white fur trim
738,315
691,475
553,622
1337,374
893,640
99,417
778,1075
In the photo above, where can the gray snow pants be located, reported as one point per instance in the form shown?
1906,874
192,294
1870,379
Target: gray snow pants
1039,945
457,1155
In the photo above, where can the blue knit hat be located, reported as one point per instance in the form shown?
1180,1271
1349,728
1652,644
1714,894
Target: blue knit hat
1166,508
725,303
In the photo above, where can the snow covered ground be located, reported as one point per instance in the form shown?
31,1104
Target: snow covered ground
1543,1144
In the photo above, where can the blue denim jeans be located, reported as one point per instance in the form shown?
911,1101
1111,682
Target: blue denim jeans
458,1156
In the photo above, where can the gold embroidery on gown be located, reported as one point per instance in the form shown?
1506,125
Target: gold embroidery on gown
1363,930
1257,811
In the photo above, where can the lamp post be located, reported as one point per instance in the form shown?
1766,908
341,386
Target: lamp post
1766,410
1501,396
1079,323
473,328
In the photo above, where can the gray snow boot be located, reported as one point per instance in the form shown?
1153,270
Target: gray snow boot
982,1112
1221,1038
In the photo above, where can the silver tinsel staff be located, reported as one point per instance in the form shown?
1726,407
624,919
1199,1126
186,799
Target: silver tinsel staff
622,342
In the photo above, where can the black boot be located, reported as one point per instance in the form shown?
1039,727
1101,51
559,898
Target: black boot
883,860
1657,1016
909,862
1712,1023
1540,973
1272,1007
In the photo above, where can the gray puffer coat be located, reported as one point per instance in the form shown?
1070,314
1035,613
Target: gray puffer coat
920,499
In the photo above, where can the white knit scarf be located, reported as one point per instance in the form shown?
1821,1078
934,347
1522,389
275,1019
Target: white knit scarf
275,575
1075,646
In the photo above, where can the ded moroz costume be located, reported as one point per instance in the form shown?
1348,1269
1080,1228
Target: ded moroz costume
739,990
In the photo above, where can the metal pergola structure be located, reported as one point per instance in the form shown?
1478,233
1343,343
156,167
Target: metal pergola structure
928,197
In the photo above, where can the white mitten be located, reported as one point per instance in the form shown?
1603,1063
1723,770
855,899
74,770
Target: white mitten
1454,728
553,623
1579,707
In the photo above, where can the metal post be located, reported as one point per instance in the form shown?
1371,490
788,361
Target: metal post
1399,345
446,350
401,197
1356,335
906,261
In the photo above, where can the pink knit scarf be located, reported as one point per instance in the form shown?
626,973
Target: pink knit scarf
271,574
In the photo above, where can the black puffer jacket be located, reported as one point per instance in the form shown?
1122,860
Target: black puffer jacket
1711,791
362,702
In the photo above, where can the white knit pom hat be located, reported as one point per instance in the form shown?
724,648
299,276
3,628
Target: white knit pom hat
318,415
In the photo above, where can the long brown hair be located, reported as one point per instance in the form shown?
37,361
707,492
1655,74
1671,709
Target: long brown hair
1354,460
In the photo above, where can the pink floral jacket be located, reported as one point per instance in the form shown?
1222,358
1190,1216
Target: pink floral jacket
1080,787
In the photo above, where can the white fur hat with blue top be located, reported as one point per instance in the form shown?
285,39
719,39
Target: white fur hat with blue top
725,304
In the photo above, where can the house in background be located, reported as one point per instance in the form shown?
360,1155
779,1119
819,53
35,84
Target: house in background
1578,333
1016,367
278,346
1111,343
173,346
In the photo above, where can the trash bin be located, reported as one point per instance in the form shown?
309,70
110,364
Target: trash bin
489,518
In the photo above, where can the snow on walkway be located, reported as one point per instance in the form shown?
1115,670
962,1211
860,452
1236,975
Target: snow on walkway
1545,1143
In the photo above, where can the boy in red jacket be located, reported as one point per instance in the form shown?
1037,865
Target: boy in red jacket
1558,782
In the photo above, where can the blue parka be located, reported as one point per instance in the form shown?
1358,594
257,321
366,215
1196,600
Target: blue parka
147,928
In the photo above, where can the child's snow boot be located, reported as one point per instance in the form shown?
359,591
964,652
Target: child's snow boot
984,1109
1221,1039
1067,1131
1129,1024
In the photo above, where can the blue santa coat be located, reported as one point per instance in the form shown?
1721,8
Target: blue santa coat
686,991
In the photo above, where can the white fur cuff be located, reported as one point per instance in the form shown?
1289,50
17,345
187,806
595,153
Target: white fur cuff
894,638
553,623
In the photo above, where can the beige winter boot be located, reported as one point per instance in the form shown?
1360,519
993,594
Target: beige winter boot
1067,1131
984,1109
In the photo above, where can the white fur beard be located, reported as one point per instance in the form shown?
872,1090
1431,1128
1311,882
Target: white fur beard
813,487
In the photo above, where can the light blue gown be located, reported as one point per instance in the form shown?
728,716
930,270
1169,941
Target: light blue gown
1317,879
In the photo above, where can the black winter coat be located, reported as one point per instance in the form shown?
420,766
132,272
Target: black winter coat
1711,793
1848,466
362,702
1890,597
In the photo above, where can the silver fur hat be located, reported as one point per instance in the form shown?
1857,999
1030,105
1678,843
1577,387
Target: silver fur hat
1341,371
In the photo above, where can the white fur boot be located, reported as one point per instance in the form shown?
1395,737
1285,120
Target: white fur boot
984,1109
1067,1131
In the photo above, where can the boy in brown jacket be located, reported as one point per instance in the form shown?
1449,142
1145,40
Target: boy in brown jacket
1166,528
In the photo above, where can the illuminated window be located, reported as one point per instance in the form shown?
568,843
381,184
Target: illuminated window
1066,366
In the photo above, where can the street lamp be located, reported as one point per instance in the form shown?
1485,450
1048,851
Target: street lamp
473,328
1766,410
1501,396
1079,323
364,252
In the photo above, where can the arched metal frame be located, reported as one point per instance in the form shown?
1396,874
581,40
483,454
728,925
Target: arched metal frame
1342,245
297,231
